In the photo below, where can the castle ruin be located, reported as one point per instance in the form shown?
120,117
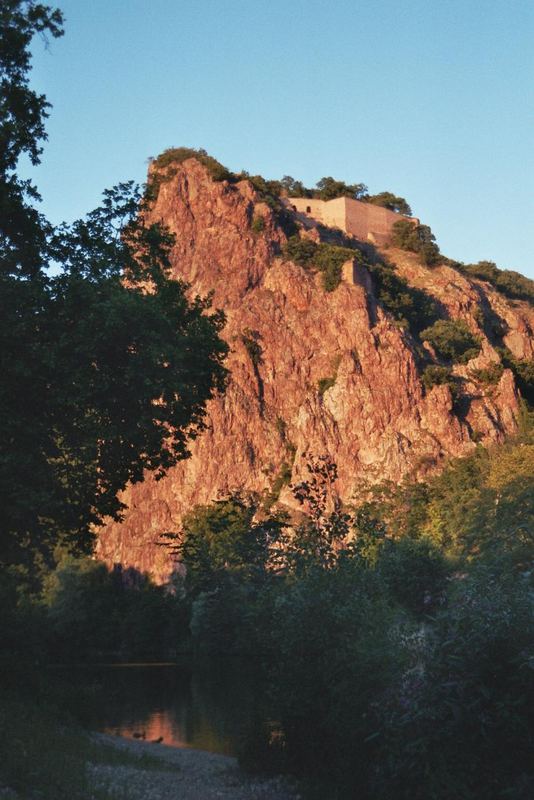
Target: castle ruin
365,221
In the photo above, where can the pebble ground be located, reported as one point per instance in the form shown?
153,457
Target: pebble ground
186,774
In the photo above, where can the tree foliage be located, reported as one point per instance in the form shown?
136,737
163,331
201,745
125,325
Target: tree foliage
222,540
106,365
22,129
390,201
452,340
413,308
523,369
329,188
416,238
511,284
326,258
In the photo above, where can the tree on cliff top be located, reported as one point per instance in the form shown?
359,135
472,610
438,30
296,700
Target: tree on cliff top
390,201
101,380
328,189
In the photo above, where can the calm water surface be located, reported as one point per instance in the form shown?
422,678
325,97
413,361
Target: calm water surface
208,705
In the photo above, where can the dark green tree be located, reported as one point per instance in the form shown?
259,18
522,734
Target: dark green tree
106,365
417,238
452,340
294,188
329,188
391,201
22,117
222,541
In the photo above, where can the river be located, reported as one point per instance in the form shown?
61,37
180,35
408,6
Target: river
209,704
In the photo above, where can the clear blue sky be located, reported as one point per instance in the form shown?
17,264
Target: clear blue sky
430,99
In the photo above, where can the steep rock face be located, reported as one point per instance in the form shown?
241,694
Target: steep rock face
372,416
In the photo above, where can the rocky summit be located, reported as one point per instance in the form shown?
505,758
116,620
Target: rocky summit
335,371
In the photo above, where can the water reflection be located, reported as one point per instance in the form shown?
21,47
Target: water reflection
206,705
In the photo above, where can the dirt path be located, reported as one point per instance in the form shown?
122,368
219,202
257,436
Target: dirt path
185,775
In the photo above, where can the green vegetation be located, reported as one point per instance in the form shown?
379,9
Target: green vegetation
511,284
417,239
300,251
269,191
45,752
251,340
176,155
100,380
164,167
434,375
413,308
282,479
326,258
329,188
452,340
391,201
397,636
92,613
281,427
219,542
489,376
258,224
523,370
360,688
479,505
324,384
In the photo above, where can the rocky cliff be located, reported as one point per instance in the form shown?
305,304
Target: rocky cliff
311,371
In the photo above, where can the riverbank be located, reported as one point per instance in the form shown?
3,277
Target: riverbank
48,755
185,774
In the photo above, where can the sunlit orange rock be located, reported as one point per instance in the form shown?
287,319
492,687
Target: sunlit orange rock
375,420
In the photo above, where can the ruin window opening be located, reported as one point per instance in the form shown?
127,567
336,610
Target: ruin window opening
308,209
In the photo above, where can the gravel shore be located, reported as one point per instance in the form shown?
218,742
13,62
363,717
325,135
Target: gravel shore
186,774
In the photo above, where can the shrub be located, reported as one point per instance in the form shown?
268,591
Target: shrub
165,168
412,307
300,251
294,188
417,239
463,726
220,541
281,427
414,572
258,224
435,375
269,191
324,384
334,656
283,478
327,258
511,284
92,611
176,155
490,375
452,340
251,340
523,370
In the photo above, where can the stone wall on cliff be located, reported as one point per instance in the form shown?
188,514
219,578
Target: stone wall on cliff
375,419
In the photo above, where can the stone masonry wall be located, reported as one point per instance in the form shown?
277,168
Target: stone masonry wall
363,220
